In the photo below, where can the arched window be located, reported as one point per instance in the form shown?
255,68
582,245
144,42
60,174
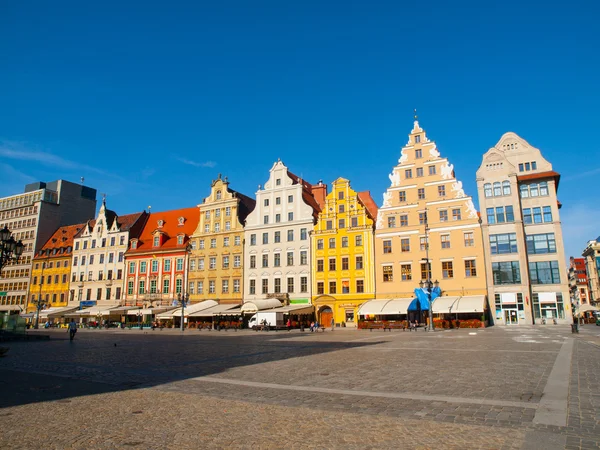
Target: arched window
506,187
497,189
487,189
524,191
218,195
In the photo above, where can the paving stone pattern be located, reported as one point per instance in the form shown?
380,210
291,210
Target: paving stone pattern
341,389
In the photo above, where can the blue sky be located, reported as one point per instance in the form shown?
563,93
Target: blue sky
149,101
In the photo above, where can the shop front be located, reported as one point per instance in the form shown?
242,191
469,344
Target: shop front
510,309
343,312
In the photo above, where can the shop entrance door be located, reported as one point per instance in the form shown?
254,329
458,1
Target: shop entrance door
511,317
326,316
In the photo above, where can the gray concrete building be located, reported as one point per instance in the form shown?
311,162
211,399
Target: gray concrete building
33,216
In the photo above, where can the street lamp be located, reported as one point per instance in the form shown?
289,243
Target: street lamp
182,299
10,250
139,315
429,286
39,305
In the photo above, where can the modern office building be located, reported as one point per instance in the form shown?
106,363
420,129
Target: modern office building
526,265
33,217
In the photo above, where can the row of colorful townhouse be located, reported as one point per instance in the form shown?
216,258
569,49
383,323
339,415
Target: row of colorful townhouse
334,249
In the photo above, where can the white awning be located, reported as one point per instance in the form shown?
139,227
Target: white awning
150,311
469,304
94,310
296,309
444,305
229,312
213,310
586,308
260,305
119,310
386,307
194,307
57,312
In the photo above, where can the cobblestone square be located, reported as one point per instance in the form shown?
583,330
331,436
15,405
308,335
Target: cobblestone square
522,387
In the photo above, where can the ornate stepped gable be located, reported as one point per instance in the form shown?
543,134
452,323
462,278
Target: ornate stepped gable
408,171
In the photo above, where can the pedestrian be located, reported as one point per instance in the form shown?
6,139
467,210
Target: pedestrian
332,323
289,324
72,329
312,327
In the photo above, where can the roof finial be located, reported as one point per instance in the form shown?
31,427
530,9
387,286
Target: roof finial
149,208
103,199
415,114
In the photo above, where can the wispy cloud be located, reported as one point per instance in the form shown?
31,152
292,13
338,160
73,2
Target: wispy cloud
587,173
189,162
579,225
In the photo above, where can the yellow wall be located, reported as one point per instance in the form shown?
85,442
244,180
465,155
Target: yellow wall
220,273
52,290
341,302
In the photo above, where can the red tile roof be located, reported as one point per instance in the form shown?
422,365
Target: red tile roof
170,229
62,238
369,204
540,175
307,193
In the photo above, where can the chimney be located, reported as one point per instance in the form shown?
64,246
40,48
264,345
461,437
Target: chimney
319,192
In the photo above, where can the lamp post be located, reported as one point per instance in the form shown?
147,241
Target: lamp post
428,285
183,299
139,315
39,305
10,249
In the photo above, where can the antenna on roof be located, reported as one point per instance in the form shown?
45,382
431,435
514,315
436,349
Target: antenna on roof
82,180
415,114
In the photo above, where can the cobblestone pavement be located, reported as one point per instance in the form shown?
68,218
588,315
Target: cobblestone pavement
492,388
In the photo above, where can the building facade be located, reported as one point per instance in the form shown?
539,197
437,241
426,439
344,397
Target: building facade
277,254
426,215
51,272
98,268
217,246
578,281
343,269
591,255
526,268
33,217
157,261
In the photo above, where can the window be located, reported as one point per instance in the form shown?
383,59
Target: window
447,270
290,258
266,220
497,189
341,195
527,218
544,189
319,244
402,196
201,244
502,244
228,211
225,262
387,246
131,267
74,262
168,265
83,260
227,226
253,239
360,286
265,238
547,214
252,288
156,241
85,244
359,262
290,199
358,241
537,215
93,243
388,273
404,220
345,242
143,267
425,274
237,240
406,272
179,264
192,287
405,245
500,214
422,218
533,165
441,191
431,170
290,235
332,287
236,286
237,261
487,189
419,171
212,263
422,243
77,245
278,182
277,218
354,223
456,214
217,227
421,193
213,243
506,187
418,152
101,259
521,167
345,263
341,208
265,260
329,225
207,228
225,286
445,240
265,286
212,287
225,242
342,223
408,173
218,195
319,265
207,215
266,202
470,269
506,272
121,256
444,216
541,243
527,167
345,287
200,264
142,287
331,242
544,272
303,234
290,285
278,200
166,283
391,222
154,265
332,264
303,257
303,284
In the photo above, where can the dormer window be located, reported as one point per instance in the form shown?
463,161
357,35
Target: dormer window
134,244
417,139
179,240
218,195
278,182
156,241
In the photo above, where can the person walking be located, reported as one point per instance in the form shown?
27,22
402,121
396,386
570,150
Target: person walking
72,329
289,324
332,323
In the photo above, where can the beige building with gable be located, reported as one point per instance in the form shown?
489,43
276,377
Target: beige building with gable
527,273
426,201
